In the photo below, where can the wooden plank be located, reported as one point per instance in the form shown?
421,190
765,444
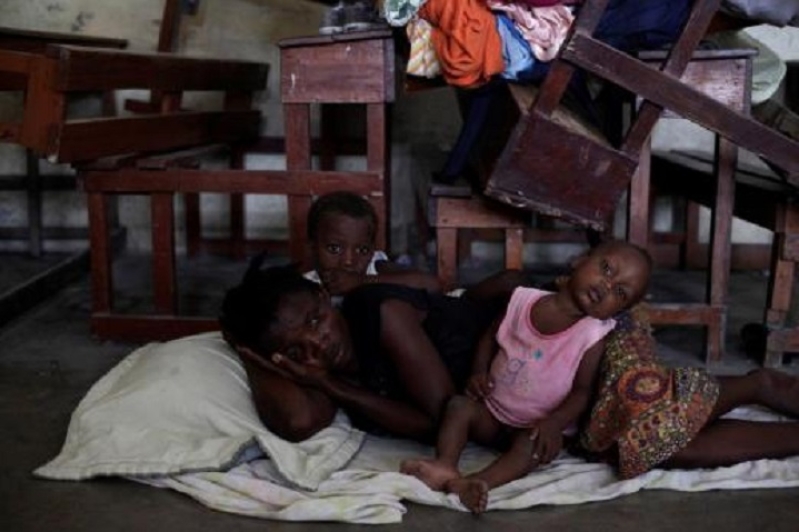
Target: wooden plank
477,213
680,54
44,108
162,216
81,140
683,313
583,189
668,92
337,72
34,41
297,120
90,69
100,247
293,183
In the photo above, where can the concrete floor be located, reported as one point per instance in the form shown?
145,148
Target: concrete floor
48,360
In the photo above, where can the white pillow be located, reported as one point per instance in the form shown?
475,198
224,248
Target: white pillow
185,406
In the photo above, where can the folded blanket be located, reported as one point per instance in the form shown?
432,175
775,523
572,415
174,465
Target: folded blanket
370,490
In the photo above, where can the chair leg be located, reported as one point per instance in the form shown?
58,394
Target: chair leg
447,256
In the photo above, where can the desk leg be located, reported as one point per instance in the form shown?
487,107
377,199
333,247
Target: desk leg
297,118
100,250
163,235
34,182
720,246
378,159
639,200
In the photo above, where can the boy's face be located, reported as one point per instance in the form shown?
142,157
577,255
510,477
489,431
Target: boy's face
310,331
343,242
610,279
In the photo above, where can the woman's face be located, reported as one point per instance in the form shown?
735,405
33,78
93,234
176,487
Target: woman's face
310,330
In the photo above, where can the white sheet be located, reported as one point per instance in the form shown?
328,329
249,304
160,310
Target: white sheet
371,491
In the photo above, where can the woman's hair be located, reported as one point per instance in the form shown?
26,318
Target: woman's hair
250,308
341,202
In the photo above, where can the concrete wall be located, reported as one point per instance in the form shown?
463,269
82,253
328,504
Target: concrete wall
425,123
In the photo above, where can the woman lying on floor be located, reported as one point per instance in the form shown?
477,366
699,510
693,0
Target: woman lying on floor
394,356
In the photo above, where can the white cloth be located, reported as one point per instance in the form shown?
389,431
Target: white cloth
776,12
371,491
377,256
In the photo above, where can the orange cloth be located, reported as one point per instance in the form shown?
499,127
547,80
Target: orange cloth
466,40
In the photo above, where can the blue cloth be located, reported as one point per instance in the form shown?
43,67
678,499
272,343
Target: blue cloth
516,53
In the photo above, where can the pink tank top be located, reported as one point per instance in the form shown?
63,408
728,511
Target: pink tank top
534,372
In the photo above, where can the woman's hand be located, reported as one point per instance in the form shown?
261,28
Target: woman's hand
547,439
479,386
307,374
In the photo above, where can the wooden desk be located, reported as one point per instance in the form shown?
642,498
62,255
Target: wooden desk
726,76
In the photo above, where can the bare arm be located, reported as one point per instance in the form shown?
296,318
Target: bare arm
291,411
391,273
399,418
480,384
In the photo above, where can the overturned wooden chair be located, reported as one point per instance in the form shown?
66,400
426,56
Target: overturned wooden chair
552,167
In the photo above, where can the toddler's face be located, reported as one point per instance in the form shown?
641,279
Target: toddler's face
343,242
609,280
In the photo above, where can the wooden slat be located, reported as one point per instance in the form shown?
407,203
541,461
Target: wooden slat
87,69
44,108
668,92
81,140
296,183
683,313
162,216
100,247
37,41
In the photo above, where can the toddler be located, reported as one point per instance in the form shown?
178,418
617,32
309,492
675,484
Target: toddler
534,372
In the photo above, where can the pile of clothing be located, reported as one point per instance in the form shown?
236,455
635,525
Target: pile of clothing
469,42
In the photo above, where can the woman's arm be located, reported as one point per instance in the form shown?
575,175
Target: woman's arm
391,273
290,410
398,418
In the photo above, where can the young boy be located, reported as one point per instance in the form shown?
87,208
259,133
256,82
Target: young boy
342,227
534,372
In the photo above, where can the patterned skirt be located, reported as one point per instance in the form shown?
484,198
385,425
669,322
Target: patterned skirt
645,412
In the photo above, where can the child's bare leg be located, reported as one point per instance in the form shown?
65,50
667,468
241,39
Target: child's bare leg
516,462
464,418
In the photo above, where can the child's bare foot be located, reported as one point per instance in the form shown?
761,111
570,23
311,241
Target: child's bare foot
472,492
432,472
